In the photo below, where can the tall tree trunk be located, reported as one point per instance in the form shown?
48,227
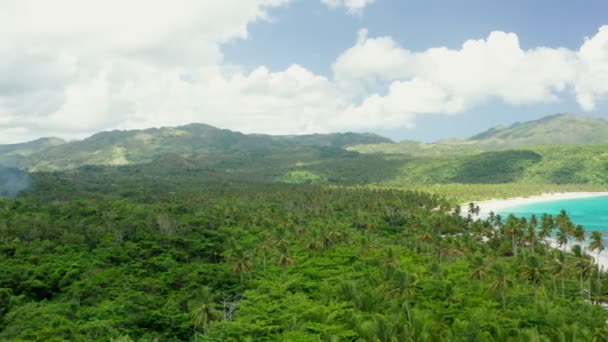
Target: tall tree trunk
532,247
562,274
407,311
582,286
513,243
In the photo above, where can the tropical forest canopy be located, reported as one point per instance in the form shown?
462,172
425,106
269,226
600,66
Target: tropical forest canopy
201,234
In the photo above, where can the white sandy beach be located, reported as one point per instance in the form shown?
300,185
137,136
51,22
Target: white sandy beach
496,205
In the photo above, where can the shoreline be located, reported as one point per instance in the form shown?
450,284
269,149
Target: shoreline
495,205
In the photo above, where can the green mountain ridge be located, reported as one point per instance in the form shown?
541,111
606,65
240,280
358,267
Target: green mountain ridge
557,129
176,157
195,141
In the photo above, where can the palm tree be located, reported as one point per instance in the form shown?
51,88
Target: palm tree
579,233
265,246
241,263
281,238
562,237
531,236
512,229
366,244
597,243
546,227
202,310
559,266
285,259
500,283
403,284
479,268
315,242
535,272
582,262
391,260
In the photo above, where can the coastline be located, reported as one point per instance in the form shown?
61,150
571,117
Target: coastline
495,205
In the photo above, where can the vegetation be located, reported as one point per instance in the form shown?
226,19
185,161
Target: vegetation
558,129
299,263
200,234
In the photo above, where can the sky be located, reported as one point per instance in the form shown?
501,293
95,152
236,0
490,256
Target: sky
407,69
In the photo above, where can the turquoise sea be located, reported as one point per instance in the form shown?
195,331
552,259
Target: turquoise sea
591,212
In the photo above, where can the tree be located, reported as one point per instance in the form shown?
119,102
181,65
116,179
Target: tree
479,271
500,283
559,266
562,237
285,259
597,243
546,228
582,262
579,233
240,263
534,271
203,311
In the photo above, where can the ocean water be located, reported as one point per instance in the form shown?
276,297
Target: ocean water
591,212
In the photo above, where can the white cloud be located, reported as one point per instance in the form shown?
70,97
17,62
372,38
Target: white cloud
352,6
107,65
592,80
495,67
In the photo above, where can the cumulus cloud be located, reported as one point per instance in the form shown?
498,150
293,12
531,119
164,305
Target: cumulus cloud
116,65
492,68
352,6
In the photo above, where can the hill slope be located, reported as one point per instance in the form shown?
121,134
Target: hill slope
197,141
14,154
559,129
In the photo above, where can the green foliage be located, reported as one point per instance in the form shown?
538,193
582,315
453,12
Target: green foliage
302,177
267,263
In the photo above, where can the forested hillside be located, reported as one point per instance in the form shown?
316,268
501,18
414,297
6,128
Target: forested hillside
558,129
200,234
290,263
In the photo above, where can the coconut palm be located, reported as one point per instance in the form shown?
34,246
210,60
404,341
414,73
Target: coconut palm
546,227
202,310
535,272
511,229
559,266
403,283
501,283
579,233
562,237
583,263
480,270
597,243
265,246
285,259
241,263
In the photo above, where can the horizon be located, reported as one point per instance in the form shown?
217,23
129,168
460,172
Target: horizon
404,71
441,139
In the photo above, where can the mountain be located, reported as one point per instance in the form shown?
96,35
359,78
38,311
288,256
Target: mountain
14,154
558,129
194,141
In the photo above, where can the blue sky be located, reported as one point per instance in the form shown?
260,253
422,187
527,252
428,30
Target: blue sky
422,70
307,33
